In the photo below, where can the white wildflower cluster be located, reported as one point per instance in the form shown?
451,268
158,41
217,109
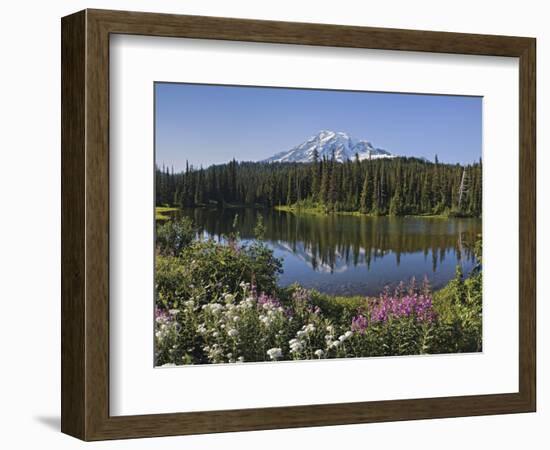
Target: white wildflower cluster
232,332
275,353
241,326
330,338
247,303
333,343
214,308
306,330
165,329
296,345
189,304
345,336
166,335
214,352
270,316
271,313
299,343
219,324
228,298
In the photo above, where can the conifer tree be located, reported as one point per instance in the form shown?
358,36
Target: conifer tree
315,175
366,195
323,196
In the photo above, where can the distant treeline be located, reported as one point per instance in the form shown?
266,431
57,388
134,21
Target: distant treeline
398,186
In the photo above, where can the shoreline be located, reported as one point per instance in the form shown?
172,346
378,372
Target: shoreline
161,210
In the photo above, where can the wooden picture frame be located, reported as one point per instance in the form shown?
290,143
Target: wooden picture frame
85,224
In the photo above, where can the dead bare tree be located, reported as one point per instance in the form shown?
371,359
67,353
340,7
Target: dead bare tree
462,190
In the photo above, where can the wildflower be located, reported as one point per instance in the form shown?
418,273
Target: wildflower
267,302
214,353
314,310
190,304
232,332
295,345
216,307
412,302
300,296
275,353
345,336
359,324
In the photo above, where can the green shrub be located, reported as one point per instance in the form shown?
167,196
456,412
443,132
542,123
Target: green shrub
459,305
206,270
174,235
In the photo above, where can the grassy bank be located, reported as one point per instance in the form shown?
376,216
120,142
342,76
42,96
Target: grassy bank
161,212
321,211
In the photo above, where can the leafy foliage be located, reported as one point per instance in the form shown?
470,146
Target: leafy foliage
174,235
205,270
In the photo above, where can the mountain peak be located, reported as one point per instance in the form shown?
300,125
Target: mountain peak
329,143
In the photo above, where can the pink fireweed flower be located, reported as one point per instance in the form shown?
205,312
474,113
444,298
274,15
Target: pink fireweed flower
359,324
403,304
301,296
314,310
266,301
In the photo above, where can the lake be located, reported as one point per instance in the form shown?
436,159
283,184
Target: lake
351,255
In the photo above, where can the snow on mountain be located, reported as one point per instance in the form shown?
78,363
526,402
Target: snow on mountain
327,142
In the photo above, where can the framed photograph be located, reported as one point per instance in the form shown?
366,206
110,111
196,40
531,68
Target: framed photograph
273,225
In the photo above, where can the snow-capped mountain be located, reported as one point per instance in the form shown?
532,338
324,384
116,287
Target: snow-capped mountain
327,142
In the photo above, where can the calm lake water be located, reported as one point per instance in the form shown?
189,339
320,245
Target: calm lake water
348,255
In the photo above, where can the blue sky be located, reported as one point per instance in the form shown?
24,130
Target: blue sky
210,124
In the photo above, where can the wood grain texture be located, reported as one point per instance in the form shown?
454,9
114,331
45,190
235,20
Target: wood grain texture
85,224
73,226
527,224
